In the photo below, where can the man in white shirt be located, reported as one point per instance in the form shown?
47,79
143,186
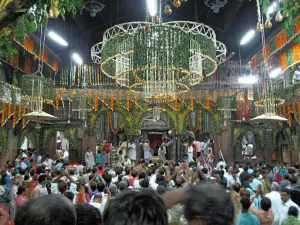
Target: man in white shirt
89,158
233,179
286,204
162,153
40,190
66,155
190,152
275,198
127,161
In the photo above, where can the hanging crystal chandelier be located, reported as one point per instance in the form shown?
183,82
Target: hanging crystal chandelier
159,59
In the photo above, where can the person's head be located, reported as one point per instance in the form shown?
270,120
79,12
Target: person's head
88,149
47,210
208,204
42,179
123,185
246,203
107,177
101,187
245,168
161,189
285,194
293,181
275,187
69,195
113,190
265,204
230,169
142,175
21,190
144,183
127,171
62,187
88,215
236,187
293,211
98,198
134,174
131,207
250,177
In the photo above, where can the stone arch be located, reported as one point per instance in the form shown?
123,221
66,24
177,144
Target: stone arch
240,131
31,135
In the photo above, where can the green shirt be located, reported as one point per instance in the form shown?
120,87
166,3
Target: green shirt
291,220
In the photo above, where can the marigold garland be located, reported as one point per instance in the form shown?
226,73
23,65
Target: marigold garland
207,99
191,100
176,102
136,98
120,96
114,131
283,61
73,94
96,102
246,97
215,96
57,99
199,97
24,120
281,39
183,97
112,99
296,52
14,115
128,100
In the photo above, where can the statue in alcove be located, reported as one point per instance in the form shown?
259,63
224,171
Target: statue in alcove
248,147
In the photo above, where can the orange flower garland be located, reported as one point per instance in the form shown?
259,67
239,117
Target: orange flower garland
199,96
73,94
283,61
96,102
136,98
215,96
207,100
176,102
281,39
246,97
57,99
112,99
289,114
119,96
14,115
128,100
183,97
191,100
24,120
267,52
296,52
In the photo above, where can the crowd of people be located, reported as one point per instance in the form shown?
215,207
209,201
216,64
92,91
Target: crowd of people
37,190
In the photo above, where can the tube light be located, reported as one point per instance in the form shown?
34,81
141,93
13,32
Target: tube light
272,8
248,79
58,39
77,58
275,73
248,37
152,7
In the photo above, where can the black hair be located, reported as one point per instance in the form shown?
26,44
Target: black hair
293,180
93,186
41,178
91,176
134,174
293,211
21,190
162,170
87,215
236,187
101,187
94,170
265,204
69,195
131,207
142,175
107,177
127,171
120,177
246,203
47,210
286,191
209,203
32,173
72,172
62,187
144,183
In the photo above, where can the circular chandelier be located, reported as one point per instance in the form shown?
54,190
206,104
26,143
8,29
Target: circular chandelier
159,60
